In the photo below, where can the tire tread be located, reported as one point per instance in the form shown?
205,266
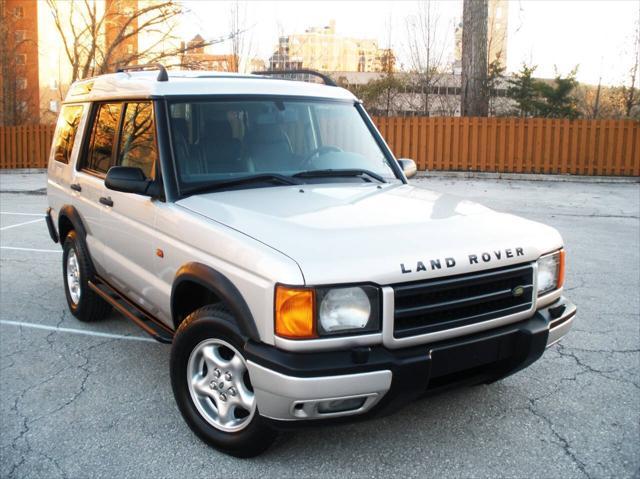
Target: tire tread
213,321
91,307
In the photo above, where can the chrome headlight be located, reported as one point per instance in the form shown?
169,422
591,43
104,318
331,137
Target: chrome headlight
348,310
550,272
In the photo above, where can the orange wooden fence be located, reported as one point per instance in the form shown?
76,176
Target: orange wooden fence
507,145
25,146
514,145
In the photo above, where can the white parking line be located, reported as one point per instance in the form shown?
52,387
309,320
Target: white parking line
20,224
37,250
21,214
76,331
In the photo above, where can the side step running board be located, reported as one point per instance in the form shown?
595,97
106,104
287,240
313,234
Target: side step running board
144,320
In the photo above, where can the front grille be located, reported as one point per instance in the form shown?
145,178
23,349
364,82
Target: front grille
435,305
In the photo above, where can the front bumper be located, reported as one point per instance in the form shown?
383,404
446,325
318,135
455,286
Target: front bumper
292,386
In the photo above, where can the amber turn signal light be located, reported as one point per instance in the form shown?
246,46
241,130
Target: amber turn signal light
561,268
294,309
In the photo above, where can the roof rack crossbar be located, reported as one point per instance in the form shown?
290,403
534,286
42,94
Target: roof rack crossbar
162,74
325,78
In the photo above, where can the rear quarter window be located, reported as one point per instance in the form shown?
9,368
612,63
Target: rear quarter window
66,130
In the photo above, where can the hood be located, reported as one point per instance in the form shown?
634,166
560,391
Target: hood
385,234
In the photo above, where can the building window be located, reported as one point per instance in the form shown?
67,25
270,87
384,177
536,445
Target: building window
21,58
53,106
129,49
18,12
20,35
21,83
21,106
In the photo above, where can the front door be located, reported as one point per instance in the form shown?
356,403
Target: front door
129,252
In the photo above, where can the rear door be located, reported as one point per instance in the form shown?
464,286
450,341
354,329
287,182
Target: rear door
88,183
128,224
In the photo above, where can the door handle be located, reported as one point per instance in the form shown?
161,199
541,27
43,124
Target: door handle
75,187
106,201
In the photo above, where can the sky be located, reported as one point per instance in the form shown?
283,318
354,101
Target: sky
595,35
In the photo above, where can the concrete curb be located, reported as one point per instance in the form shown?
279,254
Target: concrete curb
527,177
455,174
22,171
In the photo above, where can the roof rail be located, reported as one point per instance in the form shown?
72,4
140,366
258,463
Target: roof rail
162,74
325,78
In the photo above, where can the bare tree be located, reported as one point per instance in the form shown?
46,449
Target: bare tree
474,95
98,41
426,50
596,102
241,41
601,101
631,94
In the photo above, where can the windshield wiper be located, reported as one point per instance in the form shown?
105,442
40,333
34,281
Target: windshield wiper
245,180
339,173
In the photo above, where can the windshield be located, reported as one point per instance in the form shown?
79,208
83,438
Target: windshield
216,141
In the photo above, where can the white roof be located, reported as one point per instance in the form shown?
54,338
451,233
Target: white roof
144,84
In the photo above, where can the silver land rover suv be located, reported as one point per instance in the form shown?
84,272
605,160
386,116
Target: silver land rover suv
264,228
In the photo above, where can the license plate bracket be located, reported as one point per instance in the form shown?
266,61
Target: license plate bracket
453,358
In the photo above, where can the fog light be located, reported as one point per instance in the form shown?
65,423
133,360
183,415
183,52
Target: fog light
341,405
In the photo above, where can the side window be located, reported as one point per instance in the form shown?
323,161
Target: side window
103,137
66,132
138,140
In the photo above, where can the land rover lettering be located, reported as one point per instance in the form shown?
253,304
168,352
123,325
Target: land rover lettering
450,262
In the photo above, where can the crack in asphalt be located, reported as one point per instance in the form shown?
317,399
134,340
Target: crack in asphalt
27,422
49,336
564,352
564,443
55,462
619,351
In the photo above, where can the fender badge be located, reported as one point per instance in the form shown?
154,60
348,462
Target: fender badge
517,291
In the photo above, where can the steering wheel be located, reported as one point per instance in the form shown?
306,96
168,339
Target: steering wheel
321,150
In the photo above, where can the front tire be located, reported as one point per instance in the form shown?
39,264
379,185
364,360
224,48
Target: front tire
212,387
83,303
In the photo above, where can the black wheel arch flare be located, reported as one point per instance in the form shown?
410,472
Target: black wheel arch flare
219,285
70,213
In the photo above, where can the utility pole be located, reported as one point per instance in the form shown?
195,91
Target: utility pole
474,95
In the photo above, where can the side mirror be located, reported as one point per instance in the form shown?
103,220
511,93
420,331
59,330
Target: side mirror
127,179
409,167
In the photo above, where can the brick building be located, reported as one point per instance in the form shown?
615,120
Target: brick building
35,69
19,81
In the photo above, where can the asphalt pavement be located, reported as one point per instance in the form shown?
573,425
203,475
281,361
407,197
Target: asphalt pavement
94,400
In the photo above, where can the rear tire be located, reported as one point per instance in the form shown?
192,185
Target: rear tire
83,303
212,387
